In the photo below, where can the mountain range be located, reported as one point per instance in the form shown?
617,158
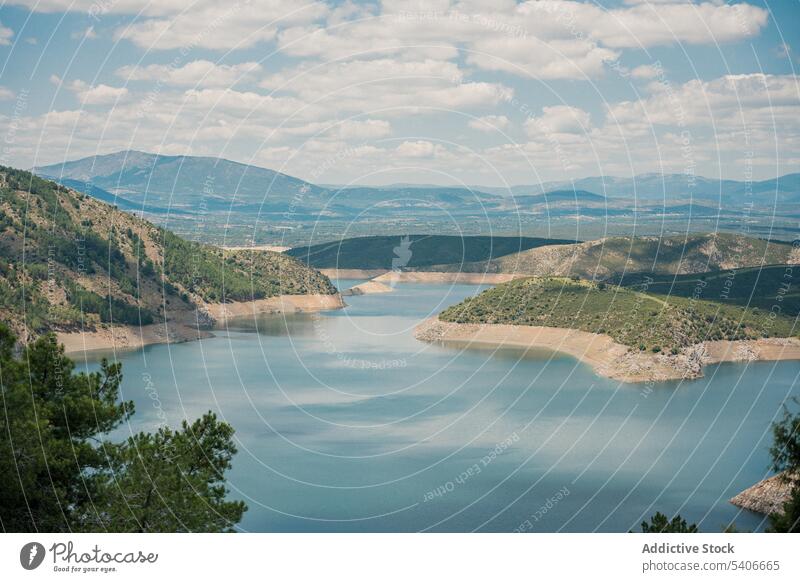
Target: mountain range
231,203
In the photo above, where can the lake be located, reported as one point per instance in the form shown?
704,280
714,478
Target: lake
344,422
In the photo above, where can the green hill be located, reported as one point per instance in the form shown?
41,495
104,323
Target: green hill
413,251
648,321
67,259
610,257
773,287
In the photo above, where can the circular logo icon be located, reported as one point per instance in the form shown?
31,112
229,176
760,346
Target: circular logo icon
31,555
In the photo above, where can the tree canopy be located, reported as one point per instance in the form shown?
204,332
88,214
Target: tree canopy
62,472
785,453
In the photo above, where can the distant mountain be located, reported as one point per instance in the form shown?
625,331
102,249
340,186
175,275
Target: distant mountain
185,181
558,196
68,261
670,187
233,199
159,183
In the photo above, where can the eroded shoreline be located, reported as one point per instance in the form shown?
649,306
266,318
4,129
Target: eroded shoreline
184,326
606,357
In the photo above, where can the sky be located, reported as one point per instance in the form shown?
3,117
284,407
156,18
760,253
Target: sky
436,92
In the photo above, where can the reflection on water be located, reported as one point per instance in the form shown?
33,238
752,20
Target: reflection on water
346,423
276,325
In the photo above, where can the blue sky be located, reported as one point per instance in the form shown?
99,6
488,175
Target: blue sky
436,92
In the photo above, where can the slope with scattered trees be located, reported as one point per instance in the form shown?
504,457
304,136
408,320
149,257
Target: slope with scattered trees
69,261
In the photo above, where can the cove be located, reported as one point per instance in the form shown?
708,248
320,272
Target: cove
345,422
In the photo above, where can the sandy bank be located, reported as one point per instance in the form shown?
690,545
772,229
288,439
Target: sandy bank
281,304
352,273
129,337
767,496
183,326
440,277
271,248
607,357
368,288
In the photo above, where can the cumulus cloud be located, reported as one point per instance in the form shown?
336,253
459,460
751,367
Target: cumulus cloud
732,100
199,73
415,149
359,85
559,119
96,94
6,34
646,72
6,94
489,123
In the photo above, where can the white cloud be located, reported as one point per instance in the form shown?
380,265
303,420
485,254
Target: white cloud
364,85
729,101
200,73
367,129
489,123
559,119
6,94
6,34
415,149
648,24
97,94
87,34
542,59
646,72
215,25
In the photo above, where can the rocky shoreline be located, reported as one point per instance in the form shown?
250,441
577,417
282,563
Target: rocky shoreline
191,325
607,357
767,496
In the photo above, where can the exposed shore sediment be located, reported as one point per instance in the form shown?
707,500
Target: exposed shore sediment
352,273
368,288
442,277
221,312
608,358
182,326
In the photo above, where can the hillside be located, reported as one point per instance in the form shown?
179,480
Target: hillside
413,251
647,321
68,261
772,287
609,257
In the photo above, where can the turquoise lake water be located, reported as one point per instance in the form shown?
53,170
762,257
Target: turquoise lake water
344,422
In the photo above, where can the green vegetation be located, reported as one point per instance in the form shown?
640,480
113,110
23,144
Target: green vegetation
613,256
68,261
216,275
772,288
660,523
416,250
643,320
63,474
785,454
